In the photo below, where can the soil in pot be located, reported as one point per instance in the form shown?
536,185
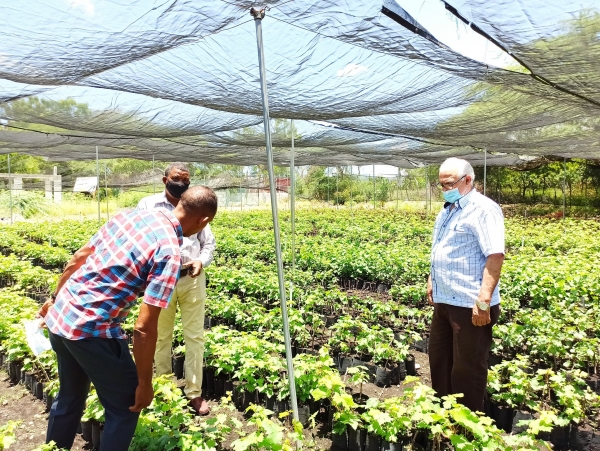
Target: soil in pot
219,387
383,377
39,390
210,380
411,370
494,360
559,437
504,417
390,446
271,403
48,399
583,438
345,362
283,405
29,380
520,416
96,428
178,363
340,441
372,442
356,439
303,415
86,430
399,373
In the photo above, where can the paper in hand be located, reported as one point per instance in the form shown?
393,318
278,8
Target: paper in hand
36,339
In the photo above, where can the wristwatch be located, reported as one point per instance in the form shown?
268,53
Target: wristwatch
483,306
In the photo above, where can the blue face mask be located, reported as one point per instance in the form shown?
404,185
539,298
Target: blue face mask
452,195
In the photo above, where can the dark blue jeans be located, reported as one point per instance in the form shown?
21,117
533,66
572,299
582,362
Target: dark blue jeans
107,363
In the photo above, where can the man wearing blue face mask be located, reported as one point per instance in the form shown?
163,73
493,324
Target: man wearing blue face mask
466,260
189,295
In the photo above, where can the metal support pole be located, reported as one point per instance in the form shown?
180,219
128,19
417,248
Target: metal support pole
154,177
293,211
98,184
564,194
337,188
484,169
258,16
10,188
374,195
328,177
351,176
106,190
426,185
398,190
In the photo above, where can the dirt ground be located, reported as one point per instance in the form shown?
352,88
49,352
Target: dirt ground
18,404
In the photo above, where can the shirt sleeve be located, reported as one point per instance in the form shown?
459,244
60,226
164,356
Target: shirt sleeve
163,276
208,244
489,229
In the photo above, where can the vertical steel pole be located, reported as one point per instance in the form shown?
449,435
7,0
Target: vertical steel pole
106,190
426,185
154,176
398,189
337,188
351,176
484,169
293,210
10,190
374,195
258,16
564,194
98,184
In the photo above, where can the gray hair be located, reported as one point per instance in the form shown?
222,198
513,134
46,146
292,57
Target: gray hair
180,166
458,166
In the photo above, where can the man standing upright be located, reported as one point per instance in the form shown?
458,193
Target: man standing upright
189,295
133,252
466,260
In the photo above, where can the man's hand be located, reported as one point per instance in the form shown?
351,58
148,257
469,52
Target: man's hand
430,290
195,268
44,310
143,397
480,317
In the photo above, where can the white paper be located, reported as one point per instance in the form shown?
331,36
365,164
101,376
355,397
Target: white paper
36,339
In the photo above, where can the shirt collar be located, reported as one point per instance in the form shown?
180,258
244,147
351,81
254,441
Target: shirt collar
176,224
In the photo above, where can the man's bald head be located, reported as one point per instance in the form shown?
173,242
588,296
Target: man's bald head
199,201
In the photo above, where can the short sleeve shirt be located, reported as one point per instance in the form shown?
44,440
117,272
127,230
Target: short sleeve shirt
135,251
463,238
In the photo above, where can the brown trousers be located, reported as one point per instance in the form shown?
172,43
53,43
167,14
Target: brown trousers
458,353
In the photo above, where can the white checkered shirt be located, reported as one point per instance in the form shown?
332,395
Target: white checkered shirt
463,238
196,247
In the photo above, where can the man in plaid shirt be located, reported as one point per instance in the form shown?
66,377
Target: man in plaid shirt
134,252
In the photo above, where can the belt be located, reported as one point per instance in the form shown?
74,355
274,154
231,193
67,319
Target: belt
184,272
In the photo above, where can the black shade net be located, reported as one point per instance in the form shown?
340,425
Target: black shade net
365,82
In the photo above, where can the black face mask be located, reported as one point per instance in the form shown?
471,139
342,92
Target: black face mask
176,189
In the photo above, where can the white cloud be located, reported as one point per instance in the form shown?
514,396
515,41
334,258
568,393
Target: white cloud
351,70
87,6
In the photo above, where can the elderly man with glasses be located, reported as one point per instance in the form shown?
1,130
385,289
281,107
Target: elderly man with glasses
466,260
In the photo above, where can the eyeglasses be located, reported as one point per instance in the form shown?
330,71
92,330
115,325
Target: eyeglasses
450,185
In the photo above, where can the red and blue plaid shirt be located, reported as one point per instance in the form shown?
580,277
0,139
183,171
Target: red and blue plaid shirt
135,251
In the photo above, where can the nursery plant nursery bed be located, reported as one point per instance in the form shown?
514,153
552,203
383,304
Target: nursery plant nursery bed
17,404
357,315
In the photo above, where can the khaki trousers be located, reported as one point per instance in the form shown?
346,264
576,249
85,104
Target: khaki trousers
189,296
